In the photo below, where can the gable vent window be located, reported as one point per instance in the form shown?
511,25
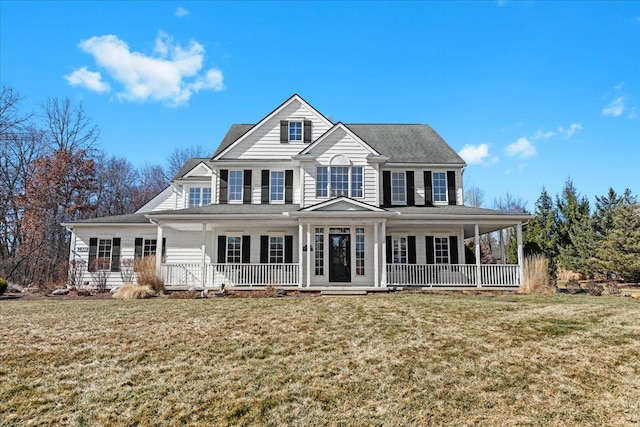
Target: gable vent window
295,131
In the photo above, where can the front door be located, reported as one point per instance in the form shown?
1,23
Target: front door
340,258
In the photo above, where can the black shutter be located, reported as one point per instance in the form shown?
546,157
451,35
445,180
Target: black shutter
453,249
307,131
288,186
288,249
386,188
224,177
430,250
115,254
222,249
411,249
246,249
411,189
284,131
389,251
164,249
137,248
246,195
264,195
93,251
428,189
264,249
451,183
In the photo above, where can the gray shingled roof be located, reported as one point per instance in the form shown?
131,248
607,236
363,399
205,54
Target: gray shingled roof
230,209
188,165
138,218
407,143
402,143
452,210
235,132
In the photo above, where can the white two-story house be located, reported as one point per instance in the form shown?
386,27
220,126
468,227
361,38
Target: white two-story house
296,200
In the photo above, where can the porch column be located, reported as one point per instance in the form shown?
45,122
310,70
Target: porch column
502,248
204,254
72,245
376,272
478,255
159,251
384,254
300,253
520,253
308,254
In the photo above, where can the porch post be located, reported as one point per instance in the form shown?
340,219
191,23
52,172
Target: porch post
204,254
520,253
384,254
503,255
300,253
159,251
478,255
376,272
308,254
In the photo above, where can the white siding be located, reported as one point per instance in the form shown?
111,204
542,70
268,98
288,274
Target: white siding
164,200
264,142
339,143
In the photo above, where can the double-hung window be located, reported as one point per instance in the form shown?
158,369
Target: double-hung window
399,246
149,247
337,181
103,254
276,249
439,186
295,131
234,249
398,188
235,185
199,196
441,247
277,186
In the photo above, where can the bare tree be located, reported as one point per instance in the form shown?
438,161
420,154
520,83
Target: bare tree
474,196
152,181
116,181
10,117
68,126
180,155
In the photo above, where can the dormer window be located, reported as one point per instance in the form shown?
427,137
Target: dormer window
199,196
295,131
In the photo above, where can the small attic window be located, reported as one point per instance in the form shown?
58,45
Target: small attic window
295,130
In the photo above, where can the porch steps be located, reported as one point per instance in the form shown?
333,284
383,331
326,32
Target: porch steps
342,293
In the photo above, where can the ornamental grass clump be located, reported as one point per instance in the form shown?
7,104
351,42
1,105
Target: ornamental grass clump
536,276
145,269
131,292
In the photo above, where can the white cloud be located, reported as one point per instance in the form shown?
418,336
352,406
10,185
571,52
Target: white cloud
91,80
540,134
573,128
522,147
615,108
474,154
181,11
172,74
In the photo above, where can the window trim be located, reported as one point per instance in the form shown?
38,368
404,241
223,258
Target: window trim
271,248
327,188
399,239
360,256
149,244
436,239
301,123
319,258
110,257
271,199
402,202
227,255
201,191
433,188
229,186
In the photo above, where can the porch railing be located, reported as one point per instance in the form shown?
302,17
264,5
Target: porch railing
214,275
463,275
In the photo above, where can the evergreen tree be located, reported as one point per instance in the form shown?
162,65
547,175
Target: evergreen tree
619,251
572,210
540,234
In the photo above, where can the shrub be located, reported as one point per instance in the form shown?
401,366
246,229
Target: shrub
612,288
3,285
100,273
77,267
131,292
145,269
536,276
573,287
126,270
594,288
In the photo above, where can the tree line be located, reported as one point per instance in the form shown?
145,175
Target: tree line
52,170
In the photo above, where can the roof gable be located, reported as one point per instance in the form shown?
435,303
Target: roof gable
342,204
333,131
241,134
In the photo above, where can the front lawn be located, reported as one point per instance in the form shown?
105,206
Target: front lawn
396,359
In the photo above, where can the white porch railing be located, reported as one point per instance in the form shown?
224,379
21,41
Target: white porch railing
462,275
214,275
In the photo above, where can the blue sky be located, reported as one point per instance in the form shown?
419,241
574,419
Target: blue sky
530,93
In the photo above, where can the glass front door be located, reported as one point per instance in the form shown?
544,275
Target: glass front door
340,258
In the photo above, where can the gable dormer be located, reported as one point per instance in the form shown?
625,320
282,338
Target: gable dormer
283,133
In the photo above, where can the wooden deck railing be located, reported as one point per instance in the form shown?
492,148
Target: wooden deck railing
463,275
214,275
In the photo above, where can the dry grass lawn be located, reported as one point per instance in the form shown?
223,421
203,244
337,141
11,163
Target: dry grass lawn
389,360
